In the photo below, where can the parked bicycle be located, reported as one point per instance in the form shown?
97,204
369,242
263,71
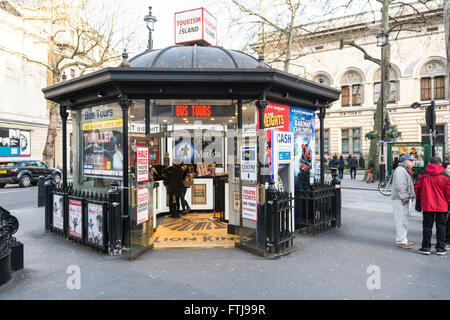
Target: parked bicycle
385,187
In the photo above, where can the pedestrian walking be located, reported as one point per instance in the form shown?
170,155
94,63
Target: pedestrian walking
433,190
333,164
402,193
175,189
353,164
341,167
447,234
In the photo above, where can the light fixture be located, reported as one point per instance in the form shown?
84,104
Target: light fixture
99,94
382,38
415,105
150,19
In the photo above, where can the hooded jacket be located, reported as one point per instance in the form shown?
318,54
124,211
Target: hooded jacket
433,189
402,185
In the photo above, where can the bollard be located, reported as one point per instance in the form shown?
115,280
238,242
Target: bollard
48,194
114,220
41,192
271,204
337,203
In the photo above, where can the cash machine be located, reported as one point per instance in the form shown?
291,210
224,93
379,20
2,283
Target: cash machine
283,162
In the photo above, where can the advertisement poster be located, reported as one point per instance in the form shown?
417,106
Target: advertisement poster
25,143
95,224
142,206
102,143
10,140
249,203
198,194
202,146
184,150
75,218
248,163
142,164
58,212
301,123
236,201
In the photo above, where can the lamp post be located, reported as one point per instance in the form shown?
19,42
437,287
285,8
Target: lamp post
430,118
150,19
382,41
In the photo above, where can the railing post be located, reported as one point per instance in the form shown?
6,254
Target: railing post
114,220
41,192
48,194
271,204
337,203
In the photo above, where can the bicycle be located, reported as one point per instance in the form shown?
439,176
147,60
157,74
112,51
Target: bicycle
385,187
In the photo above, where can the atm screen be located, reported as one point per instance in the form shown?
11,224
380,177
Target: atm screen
281,167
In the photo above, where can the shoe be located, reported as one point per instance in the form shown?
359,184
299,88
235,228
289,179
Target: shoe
441,251
447,246
410,243
424,251
405,245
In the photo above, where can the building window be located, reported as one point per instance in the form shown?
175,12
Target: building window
352,89
325,141
432,81
393,90
440,131
351,140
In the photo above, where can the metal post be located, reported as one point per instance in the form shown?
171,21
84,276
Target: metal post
432,128
125,105
48,193
322,113
260,228
64,114
114,220
382,165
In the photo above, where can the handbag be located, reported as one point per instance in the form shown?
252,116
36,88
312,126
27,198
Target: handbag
188,181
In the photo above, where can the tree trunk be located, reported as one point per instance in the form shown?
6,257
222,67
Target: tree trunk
48,154
446,5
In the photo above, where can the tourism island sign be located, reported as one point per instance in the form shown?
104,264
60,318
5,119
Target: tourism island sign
195,26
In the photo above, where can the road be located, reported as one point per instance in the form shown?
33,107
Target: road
13,197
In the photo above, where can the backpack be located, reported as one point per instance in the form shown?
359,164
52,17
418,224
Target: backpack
188,181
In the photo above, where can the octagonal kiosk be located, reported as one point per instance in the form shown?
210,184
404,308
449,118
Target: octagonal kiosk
129,119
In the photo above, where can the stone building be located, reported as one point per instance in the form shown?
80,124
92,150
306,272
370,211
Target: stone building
419,73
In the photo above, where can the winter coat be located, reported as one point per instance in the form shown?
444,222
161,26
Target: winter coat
433,189
402,184
333,163
353,163
174,185
341,164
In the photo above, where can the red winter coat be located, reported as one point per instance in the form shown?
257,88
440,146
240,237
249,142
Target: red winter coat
433,189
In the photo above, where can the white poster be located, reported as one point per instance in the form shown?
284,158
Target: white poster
248,163
58,212
142,164
142,209
75,218
95,224
249,203
25,143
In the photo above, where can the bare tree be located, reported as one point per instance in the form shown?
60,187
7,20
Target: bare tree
76,40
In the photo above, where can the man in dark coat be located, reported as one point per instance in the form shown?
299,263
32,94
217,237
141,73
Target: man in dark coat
333,164
353,164
433,190
175,189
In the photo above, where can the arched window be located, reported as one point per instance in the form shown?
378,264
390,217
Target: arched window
394,86
432,81
352,89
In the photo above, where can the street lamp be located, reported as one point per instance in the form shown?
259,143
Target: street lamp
430,118
382,41
150,19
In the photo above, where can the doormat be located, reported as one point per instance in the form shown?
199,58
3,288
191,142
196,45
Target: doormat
194,230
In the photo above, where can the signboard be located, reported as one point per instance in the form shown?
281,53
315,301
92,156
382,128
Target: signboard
236,201
198,194
249,203
142,206
95,224
102,142
248,163
142,164
75,218
14,143
58,212
194,111
195,26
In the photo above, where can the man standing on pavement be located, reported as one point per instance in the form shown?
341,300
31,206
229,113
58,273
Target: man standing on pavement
353,164
402,193
433,190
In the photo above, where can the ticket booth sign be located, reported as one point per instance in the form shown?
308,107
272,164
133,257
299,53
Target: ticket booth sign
195,26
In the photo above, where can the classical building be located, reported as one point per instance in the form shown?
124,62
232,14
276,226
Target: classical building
418,74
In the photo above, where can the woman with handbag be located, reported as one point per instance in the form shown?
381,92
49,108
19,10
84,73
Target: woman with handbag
188,181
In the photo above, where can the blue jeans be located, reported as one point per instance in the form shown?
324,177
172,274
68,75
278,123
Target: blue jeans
353,173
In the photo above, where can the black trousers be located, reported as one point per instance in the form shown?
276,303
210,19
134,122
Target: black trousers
447,238
353,173
174,204
441,226
184,203
341,173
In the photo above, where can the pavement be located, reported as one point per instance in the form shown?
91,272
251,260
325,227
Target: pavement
357,261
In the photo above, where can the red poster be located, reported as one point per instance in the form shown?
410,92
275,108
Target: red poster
142,164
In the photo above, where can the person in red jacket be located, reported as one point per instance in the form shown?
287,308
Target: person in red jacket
433,190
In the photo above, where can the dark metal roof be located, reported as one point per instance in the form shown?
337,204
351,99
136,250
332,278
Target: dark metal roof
194,57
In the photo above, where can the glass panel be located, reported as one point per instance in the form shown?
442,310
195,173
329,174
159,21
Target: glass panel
344,145
439,87
356,132
376,92
356,145
393,92
345,133
345,95
356,94
425,88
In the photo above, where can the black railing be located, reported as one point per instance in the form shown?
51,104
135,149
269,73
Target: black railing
318,207
279,221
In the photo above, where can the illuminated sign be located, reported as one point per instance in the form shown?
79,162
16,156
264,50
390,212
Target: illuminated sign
195,26
194,111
